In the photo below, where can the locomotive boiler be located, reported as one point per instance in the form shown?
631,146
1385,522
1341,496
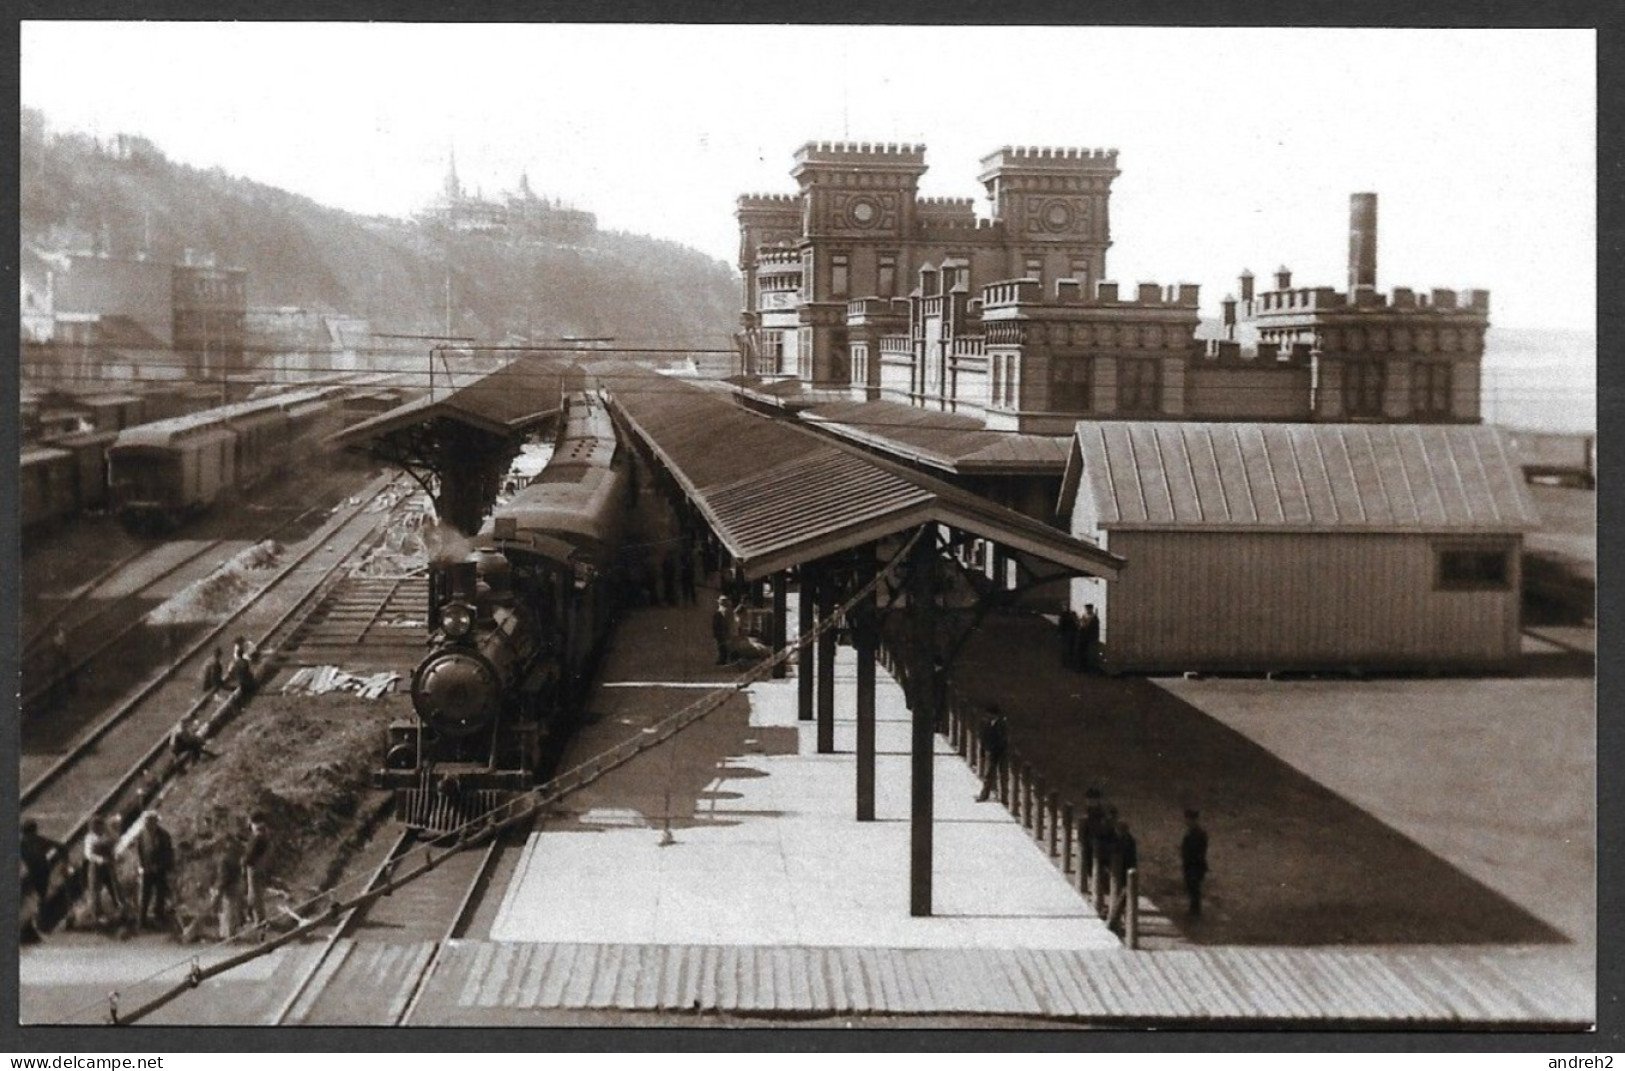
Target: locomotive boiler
516,625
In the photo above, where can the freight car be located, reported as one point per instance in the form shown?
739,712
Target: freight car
46,486
515,631
161,473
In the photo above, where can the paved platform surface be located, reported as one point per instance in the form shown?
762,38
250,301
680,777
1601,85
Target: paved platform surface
738,832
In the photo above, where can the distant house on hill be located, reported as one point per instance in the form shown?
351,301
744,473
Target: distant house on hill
518,214
1301,546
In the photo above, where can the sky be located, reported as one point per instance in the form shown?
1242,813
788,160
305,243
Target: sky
1238,148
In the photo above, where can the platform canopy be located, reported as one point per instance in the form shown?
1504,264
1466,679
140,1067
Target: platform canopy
457,441
778,495
512,400
952,442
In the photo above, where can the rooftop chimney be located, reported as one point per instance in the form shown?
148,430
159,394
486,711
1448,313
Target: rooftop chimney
1362,248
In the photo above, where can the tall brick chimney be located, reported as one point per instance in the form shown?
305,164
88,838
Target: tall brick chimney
1362,248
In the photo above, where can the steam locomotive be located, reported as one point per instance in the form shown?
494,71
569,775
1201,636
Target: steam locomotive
515,627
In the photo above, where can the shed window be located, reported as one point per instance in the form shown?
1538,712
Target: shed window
1474,569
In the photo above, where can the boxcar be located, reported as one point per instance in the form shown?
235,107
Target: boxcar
160,473
46,486
89,450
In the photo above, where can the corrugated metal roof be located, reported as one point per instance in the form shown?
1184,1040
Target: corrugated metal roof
951,441
1378,477
504,402
778,495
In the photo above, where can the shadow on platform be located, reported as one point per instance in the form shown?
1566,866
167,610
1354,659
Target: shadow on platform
1293,863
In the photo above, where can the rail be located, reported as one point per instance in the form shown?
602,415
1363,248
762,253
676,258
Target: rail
520,809
148,770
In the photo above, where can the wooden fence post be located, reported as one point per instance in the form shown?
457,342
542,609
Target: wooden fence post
1131,923
1067,819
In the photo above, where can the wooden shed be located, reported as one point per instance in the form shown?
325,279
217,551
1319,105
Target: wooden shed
1301,546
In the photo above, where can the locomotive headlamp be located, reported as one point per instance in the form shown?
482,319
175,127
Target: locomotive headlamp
456,620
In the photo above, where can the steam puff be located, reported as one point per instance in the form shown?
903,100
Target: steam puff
443,543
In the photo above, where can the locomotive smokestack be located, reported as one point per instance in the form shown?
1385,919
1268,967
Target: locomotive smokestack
1362,247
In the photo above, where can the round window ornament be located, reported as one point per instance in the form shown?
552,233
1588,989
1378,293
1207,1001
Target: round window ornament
1058,215
863,213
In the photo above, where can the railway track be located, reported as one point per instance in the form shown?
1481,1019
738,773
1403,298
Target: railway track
372,965
112,627
96,773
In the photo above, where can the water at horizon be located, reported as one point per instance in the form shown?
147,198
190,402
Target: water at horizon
1540,379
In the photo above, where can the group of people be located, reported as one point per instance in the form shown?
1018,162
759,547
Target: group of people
96,882
732,636
239,675
1080,639
1105,835
237,894
237,890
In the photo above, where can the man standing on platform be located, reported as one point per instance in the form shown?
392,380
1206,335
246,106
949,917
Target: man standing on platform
1125,857
1193,861
995,739
1094,821
1088,657
722,628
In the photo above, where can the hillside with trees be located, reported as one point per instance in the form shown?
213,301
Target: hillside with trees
125,198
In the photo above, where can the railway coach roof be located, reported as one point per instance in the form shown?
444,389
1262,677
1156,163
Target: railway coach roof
778,495
161,433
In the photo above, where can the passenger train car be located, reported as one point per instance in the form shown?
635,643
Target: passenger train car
515,631
161,473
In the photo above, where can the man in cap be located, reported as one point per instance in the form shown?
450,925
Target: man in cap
155,855
722,628
1193,860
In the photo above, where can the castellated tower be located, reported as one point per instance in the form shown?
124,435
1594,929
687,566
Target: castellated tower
1053,200
858,234
858,190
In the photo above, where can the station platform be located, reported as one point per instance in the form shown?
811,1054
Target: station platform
723,878
736,832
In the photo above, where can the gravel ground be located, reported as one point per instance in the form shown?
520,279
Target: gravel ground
1396,811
